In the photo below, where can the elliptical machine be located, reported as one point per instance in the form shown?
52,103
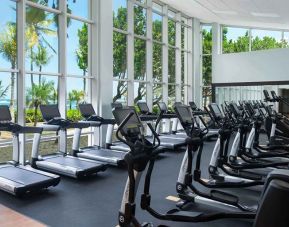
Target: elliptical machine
142,155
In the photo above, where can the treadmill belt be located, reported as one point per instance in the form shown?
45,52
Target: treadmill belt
22,176
104,153
73,162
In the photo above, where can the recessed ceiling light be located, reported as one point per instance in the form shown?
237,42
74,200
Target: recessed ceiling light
272,15
227,12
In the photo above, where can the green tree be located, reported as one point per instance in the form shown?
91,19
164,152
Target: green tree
8,49
75,96
41,58
82,51
39,94
3,90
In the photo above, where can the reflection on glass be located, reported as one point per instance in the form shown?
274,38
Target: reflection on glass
140,92
120,92
77,48
139,59
120,14
119,55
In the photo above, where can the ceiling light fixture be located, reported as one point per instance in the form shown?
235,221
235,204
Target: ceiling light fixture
271,15
226,12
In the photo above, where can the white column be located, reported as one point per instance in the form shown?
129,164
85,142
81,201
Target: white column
216,47
21,20
165,54
130,52
103,71
149,56
178,57
197,73
190,74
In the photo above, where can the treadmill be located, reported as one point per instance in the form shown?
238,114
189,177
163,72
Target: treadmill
61,162
172,143
96,152
19,179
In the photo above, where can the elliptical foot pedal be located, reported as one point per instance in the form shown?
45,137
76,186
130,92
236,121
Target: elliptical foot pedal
251,176
224,197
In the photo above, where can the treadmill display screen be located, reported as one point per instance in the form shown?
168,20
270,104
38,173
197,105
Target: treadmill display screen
86,110
162,106
5,114
184,114
216,110
49,112
143,107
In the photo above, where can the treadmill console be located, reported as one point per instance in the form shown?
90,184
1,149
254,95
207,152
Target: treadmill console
5,114
216,111
144,109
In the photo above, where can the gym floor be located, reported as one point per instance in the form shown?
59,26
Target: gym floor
96,201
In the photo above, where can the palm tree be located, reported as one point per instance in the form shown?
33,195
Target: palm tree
37,26
3,91
41,58
76,96
8,49
40,94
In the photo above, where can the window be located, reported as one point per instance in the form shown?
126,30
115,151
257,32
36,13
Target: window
206,64
77,93
8,94
139,59
120,14
119,55
120,92
235,40
77,48
157,62
286,39
157,27
171,94
265,39
50,3
139,92
158,8
78,8
172,32
139,20
172,65
157,93
8,32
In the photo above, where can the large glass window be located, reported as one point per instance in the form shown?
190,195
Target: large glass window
171,94
157,27
77,48
139,92
235,40
120,14
41,41
139,59
157,93
120,92
265,39
140,20
119,55
78,8
8,32
157,62
172,32
172,65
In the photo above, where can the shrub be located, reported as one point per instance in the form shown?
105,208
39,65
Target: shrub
74,115
30,116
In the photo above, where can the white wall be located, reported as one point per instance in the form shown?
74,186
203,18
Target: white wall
255,66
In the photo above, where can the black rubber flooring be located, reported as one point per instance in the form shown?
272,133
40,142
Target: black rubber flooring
96,201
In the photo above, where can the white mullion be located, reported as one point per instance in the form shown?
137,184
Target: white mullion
149,56
62,31
42,7
190,75
89,59
165,54
21,21
74,17
178,60
130,52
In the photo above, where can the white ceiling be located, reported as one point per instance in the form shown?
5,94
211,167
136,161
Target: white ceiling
256,13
